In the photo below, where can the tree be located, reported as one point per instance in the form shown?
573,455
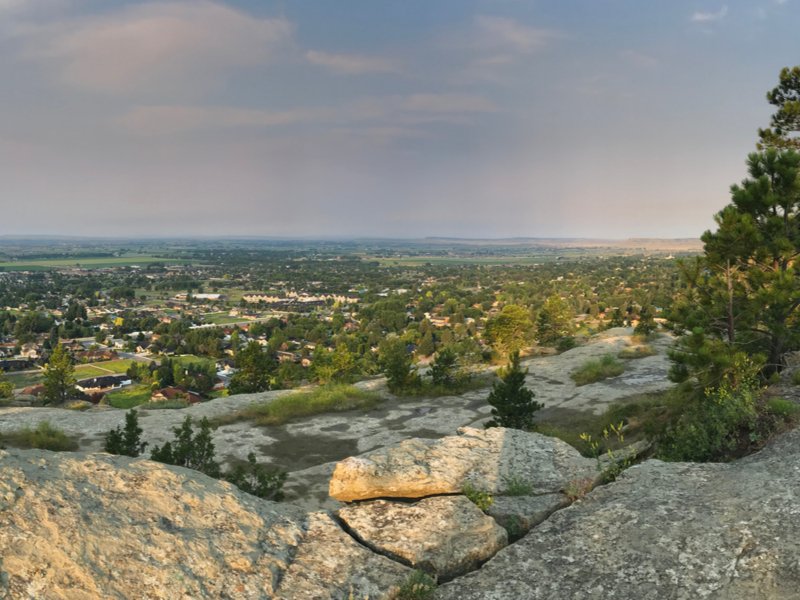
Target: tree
194,451
127,440
647,323
785,123
257,480
344,364
396,363
555,321
254,370
444,369
510,330
59,379
512,403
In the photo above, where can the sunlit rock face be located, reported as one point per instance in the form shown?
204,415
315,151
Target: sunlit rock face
80,526
487,459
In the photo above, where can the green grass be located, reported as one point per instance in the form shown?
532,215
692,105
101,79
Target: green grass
87,371
130,396
44,437
21,380
324,399
796,377
166,404
641,351
222,318
190,359
95,263
597,369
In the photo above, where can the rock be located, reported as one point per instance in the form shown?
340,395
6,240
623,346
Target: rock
519,514
445,536
486,458
81,526
663,530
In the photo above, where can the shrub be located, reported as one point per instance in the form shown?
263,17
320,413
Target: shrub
597,370
257,480
566,343
712,427
126,441
190,450
578,488
796,377
43,437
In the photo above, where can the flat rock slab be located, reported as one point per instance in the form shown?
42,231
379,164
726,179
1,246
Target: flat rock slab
663,530
445,536
78,526
487,459
520,514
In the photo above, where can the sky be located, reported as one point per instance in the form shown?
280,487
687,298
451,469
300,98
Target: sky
382,118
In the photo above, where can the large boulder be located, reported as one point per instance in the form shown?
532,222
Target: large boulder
663,530
79,526
487,459
445,536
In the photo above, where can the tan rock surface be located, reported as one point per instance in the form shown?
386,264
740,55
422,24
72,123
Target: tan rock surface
487,459
77,526
445,536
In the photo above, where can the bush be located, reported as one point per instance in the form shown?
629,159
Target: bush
257,480
43,437
566,343
190,450
597,370
796,377
715,425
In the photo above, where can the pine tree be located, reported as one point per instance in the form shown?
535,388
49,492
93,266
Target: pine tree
512,403
59,379
126,441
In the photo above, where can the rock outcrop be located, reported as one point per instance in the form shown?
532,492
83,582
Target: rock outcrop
445,536
80,527
487,459
663,530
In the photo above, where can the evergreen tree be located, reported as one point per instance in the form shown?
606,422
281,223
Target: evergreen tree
785,123
512,403
396,363
444,369
555,321
126,441
647,323
194,451
59,377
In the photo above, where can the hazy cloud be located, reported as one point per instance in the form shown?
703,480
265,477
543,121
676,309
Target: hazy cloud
706,17
157,46
509,35
351,64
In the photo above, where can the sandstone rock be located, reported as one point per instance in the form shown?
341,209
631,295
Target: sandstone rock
663,530
445,536
519,514
486,458
79,526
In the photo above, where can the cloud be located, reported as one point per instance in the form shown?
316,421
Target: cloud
708,17
447,103
509,35
351,64
639,59
164,120
157,46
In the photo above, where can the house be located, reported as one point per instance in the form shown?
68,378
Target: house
102,384
88,356
31,350
175,393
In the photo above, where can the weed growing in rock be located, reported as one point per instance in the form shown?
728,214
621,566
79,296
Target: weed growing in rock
632,352
796,377
418,586
480,498
782,408
616,464
517,486
597,370
578,488
44,437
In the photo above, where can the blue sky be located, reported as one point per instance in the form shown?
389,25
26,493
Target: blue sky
472,118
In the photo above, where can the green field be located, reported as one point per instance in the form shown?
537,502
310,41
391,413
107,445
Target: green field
221,318
417,261
108,367
21,380
92,263
130,396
